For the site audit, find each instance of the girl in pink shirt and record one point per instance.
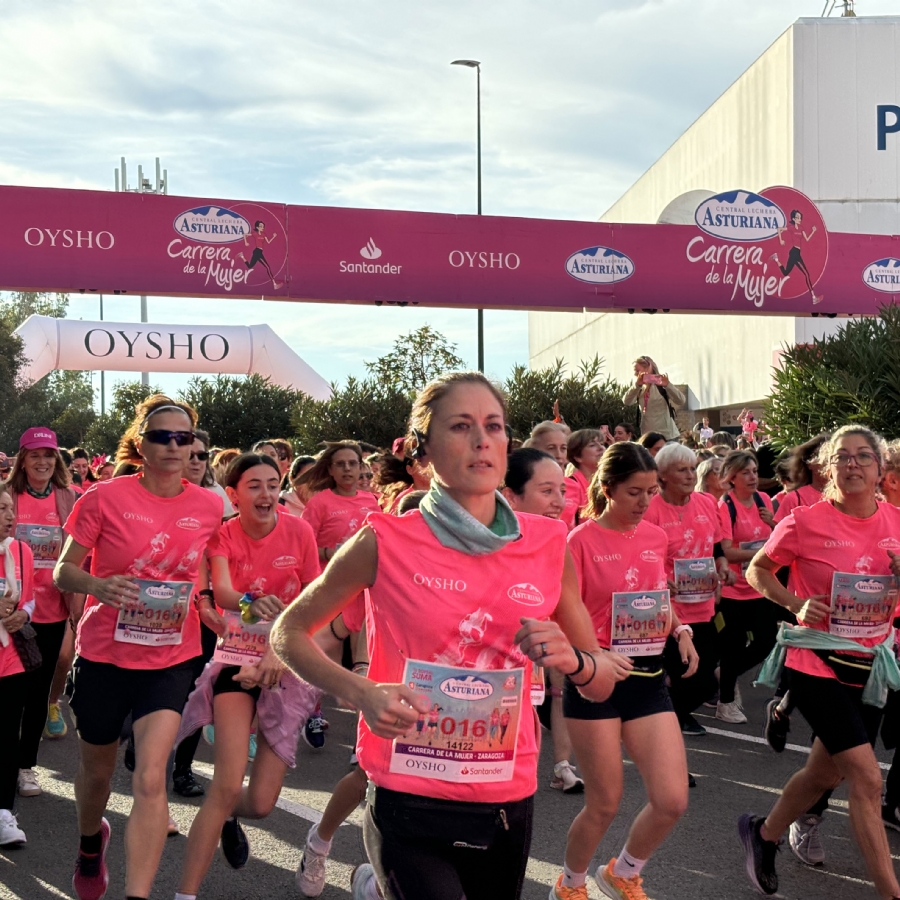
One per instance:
(807, 477)
(469, 569)
(620, 559)
(139, 634)
(854, 535)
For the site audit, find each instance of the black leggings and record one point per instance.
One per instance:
(795, 259)
(425, 849)
(13, 690)
(37, 690)
(745, 641)
(688, 693)
(184, 752)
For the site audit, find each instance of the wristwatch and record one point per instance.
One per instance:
(682, 628)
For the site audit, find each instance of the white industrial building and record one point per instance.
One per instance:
(805, 114)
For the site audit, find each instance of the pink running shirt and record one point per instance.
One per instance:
(439, 605)
(803, 496)
(49, 605)
(817, 541)
(335, 518)
(609, 562)
(133, 532)
(10, 664)
(748, 526)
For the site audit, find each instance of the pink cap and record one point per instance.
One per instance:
(38, 438)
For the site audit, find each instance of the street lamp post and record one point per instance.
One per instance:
(476, 65)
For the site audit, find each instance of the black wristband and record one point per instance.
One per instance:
(580, 656)
(337, 637)
(582, 684)
(717, 550)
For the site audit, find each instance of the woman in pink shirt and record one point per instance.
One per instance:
(620, 559)
(139, 635)
(848, 542)
(807, 477)
(553, 439)
(469, 568)
(584, 451)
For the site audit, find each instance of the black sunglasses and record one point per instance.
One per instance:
(162, 436)
(203, 455)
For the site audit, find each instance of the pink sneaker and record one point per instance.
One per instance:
(91, 878)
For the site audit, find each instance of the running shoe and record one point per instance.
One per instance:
(360, 878)
(251, 747)
(311, 871)
(692, 782)
(890, 817)
(731, 713)
(713, 701)
(314, 731)
(559, 892)
(91, 878)
(777, 726)
(186, 785)
(55, 726)
(235, 846)
(759, 854)
(564, 779)
(209, 734)
(804, 839)
(690, 726)
(10, 833)
(28, 784)
(617, 887)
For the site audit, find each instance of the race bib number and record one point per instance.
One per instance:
(862, 606)
(640, 622)
(45, 542)
(749, 545)
(538, 690)
(696, 580)
(242, 644)
(159, 615)
(470, 732)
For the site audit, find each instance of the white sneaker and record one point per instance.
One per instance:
(564, 778)
(28, 784)
(731, 713)
(311, 871)
(362, 883)
(804, 839)
(10, 833)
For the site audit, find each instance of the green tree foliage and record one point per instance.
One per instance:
(237, 412)
(366, 410)
(852, 376)
(417, 358)
(103, 435)
(585, 401)
(16, 307)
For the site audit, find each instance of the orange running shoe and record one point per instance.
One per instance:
(619, 888)
(568, 893)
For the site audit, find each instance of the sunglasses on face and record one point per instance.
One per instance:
(164, 437)
(202, 455)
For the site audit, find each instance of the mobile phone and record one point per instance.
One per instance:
(649, 378)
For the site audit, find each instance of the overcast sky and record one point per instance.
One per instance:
(355, 104)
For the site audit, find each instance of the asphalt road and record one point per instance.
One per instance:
(701, 859)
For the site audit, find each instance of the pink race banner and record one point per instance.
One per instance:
(766, 253)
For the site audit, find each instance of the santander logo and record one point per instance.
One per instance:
(526, 594)
(188, 523)
(370, 251)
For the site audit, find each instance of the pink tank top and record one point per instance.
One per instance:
(444, 607)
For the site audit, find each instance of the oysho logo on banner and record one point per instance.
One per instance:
(370, 251)
(883, 275)
(740, 216)
(211, 225)
(600, 265)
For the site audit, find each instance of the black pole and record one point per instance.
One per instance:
(102, 373)
(480, 311)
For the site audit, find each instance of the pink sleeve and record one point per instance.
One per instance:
(786, 506)
(218, 544)
(86, 520)
(783, 545)
(27, 574)
(312, 515)
(726, 534)
(309, 564)
(577, 557)
(354, 613)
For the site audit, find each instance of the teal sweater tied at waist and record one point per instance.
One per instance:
(885, 674)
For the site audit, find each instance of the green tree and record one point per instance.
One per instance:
(851, 376)
(585, 400)
(17, 306)
(238, 411)
(417, 358)
(104, 433)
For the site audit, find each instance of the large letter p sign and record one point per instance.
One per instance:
(884, 127)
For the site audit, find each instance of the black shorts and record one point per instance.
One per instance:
(636, 697)
(835, 712)
(104, 694)
(225, 684)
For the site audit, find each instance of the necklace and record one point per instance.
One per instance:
(39, 495)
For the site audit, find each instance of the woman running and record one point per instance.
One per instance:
(708, 480)
(534, 484)
(552, 438)
(807, 477)
(16, 608)
(620, 561)
(796, 236)
(139, 634)
(297, 495)
(476, 572)
(584, 450)
(260, 561)
(258, 256)
(835, 548)
(695, 566)
(42, 501)
(750, 622)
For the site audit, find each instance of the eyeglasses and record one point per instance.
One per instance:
(162, 436)
(203, 455)
(863, 460)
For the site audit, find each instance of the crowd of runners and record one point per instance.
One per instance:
(595, 586)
